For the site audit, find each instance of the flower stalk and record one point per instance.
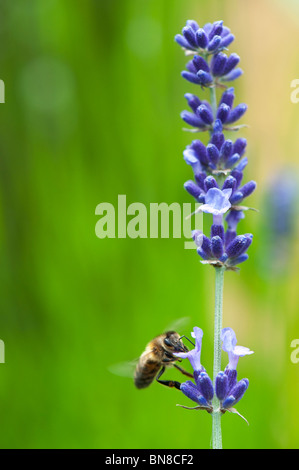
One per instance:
(216, 415)
(218, 175)
(219, 281)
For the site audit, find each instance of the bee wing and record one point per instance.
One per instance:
(123, 369)
(179, 324)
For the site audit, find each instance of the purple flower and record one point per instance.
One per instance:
(194, 354)
(228, 337)
(217, 203)
(202, 391)
(227, 389)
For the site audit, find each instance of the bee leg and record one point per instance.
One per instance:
(183, 371)
(168, 357)
(168, 383)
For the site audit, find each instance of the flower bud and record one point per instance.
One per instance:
(239, 245)
(192, 188)
(228, 97)
(205, 385)
(232, 378)
(221, 385)
(238, 175)
(200, 64)
(226, 150)
(232, 160)
(217, 126)
(200, 177)
(229, 402)
(191, 77)
(217, 247)
(192, 119)
(217, 231)
(248, 188)
(213, 153)
(239, 389)
(181, 41)
(231, 63)
(233, 75)
(201, 151)
(193, 24)
(204, 78)
(240, 146)
(205, 114)
(193, 101)
(236, 197)
(205, 251)
(202, 38)
(216, 29)
(218, 140)
(189, 389)
(230, 182)
(236, 113)
(239, 260)
(223, 112)
(242, 165)
(218, 64)
(209, 183)
(190, 36)
(227, 40)
(214, 43)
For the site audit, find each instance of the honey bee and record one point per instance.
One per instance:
(158, 355)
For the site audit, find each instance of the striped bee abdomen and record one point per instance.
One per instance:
(146, 370)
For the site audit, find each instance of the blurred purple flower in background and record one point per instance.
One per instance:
(279, 226)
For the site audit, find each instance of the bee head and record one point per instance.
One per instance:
(173, 343)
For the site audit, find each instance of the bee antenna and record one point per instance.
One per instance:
(183, 336)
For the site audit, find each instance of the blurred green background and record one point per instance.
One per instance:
(93, 97)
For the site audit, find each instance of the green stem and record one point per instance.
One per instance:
(213, 100)
(216, 415)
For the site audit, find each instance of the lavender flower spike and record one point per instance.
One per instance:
(217, 166)
(228, 337)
